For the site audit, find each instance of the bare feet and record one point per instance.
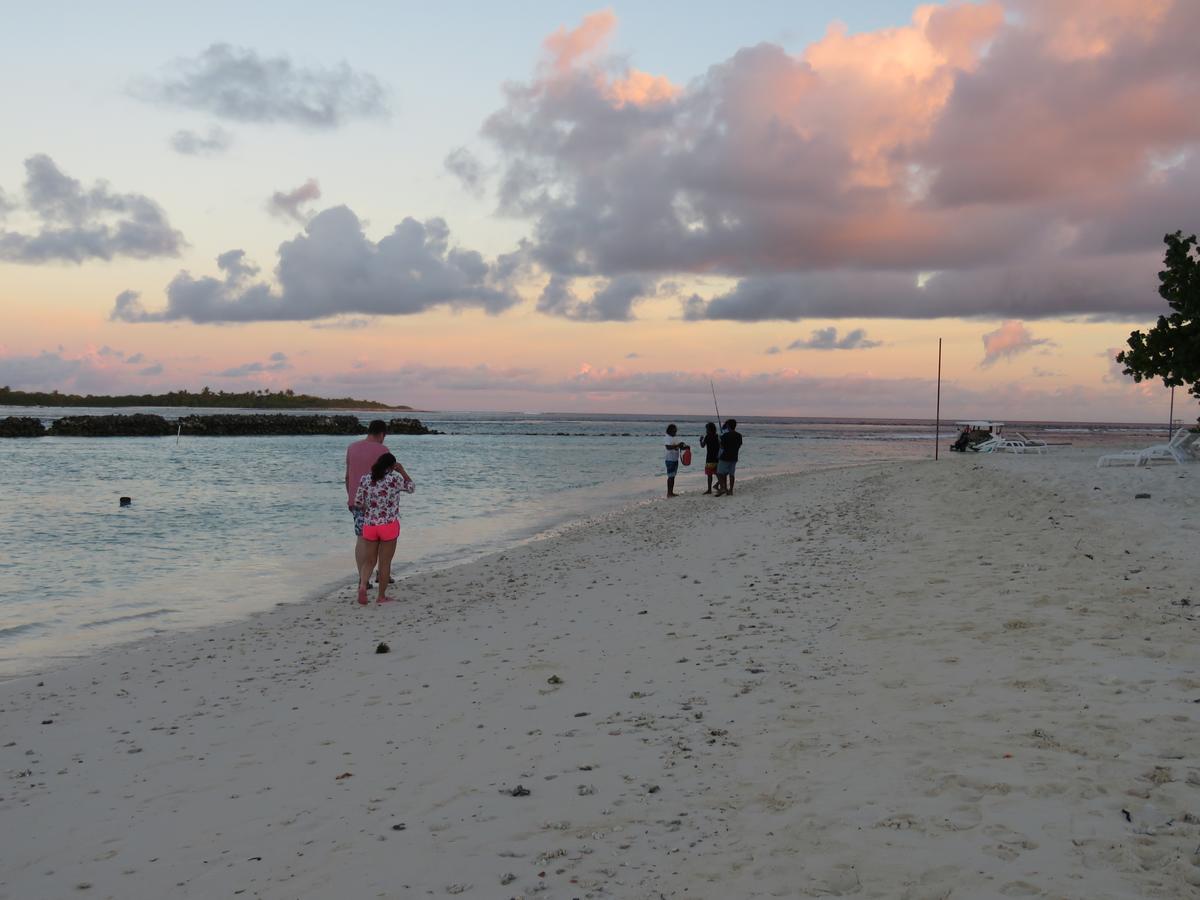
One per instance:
(362, 595)
(385, 599)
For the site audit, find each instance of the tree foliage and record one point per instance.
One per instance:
(260, 399)
(1171, 349)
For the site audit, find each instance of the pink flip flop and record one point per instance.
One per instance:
(385, 599)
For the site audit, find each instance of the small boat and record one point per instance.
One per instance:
(973, 432)
(988, 437)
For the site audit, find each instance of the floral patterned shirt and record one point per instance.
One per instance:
(380, 500)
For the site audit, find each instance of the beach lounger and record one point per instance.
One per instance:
(1010, 445)
(1029, 442)
(1184, 447)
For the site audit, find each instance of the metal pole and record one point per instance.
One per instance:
(937, 425)
(1171, 414)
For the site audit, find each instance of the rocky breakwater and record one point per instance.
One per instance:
(409, 426)
(263, 425)
(21, 427)
(217, 425)
(232, 425)
(136, 425)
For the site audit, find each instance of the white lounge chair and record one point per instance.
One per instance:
(1010, 445)
(1029, 442)
(1184, 447)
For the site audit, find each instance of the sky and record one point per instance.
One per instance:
(599, 208)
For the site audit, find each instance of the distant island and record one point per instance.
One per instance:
(262, 399)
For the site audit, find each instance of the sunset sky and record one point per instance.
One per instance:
(582, 208)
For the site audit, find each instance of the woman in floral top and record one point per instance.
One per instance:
(378, 496)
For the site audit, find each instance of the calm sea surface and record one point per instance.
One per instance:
(222, 527)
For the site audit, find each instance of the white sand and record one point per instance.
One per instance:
(919, 680)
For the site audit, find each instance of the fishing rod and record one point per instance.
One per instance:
(715, 406)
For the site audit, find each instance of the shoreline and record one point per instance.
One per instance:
(556, 528)
(896, 679)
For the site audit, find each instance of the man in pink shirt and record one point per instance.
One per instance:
(360, 456)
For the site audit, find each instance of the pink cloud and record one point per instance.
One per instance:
(579, 51)
(91, 370)
(787, 391)
(979, 141)
(288, 204)
(567, 48)
(1011, 339)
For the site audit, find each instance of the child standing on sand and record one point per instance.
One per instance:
(673, 449)
(711, 442)
(378, 496)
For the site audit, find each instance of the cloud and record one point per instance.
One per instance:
(276, 362)
(251, 368)
(785, 390)
(1114, 372)
(46, 370)
(632, 355)
(102, 370)
(286, 204)
(782, 391)
(192, 143)
(135, 359)
(344, 323)
(420, 377)
(1011, 339)
(611, 303)
(1031, 153)
(827, 339)
(237, 84)
(154, 369)
(1120, 286)
(76, 224)
(334, 269)
(666, 388)
(466, 167)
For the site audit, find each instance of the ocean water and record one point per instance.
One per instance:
(223, 527)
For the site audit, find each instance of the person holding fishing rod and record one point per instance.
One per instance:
(711, 442)
(730, 443)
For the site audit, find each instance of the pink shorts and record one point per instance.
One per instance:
(389, 531)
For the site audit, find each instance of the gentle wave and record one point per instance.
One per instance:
(17, 630)
(133, 617)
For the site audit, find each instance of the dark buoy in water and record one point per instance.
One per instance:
(127, 501)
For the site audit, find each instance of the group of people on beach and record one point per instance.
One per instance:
(720, 456)
(375, 480)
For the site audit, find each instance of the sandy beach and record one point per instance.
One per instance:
(971, 678)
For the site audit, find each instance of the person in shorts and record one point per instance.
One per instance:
(360, 456)
(378, 497)
(731, 444)
(674, 447)
(711, 442)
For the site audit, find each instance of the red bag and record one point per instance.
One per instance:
(686, 456)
